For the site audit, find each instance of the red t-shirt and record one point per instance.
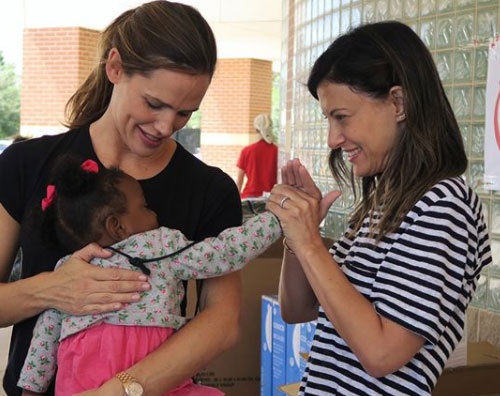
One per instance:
(259, 161)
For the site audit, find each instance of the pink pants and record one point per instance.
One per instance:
(91, 357)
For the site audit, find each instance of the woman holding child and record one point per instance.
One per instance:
(155, 66)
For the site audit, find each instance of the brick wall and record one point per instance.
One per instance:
(55, 62)
(240, 90)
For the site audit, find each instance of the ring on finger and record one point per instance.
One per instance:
(282, 202)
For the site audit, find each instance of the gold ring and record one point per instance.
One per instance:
(282, 202)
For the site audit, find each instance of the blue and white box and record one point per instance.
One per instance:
(293, 365)
(279, 351)
(307, 331)
(266, 351)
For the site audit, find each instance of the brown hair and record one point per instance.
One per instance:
(156, 35)
(371, 59)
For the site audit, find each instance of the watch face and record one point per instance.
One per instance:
(134, 389)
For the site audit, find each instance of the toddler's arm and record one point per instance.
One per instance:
(40, 363)
(230, 251)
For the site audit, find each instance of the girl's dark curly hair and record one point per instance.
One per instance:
(82, 202)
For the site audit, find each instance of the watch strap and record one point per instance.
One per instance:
(125, 378)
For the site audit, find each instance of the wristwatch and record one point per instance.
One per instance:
(131, 387)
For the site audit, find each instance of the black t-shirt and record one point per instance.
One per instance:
(187, 195)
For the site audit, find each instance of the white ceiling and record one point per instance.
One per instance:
(243, 28)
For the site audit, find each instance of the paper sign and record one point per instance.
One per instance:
(492, 119)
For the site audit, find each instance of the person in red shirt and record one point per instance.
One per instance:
(258, 161)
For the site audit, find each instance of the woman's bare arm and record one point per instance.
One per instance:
(382, 346)
(298, 302)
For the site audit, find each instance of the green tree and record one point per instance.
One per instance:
(10, 101)
(195, 120)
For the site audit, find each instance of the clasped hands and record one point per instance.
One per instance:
(299, 205)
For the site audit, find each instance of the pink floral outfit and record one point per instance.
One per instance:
(90, 349)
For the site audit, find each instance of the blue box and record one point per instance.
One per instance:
(279, 351)
(293, 358)
(307, 331)
(266, 351)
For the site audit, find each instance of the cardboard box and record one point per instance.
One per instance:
(293, 358)
(266, 342)
(307, 331)
(279, 351)
(480, 377)
(299, 340)
(289, 359)
(291, 389)
(306, 335)
(237, 371)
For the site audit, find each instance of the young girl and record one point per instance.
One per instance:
(85, 204)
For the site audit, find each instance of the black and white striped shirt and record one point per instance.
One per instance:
(422, 277)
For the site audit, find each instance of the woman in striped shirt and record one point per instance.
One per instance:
(390, 296)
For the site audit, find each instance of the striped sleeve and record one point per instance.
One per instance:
(419, 285)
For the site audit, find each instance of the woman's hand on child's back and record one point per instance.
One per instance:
(80, 288)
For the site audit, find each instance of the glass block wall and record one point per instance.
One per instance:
(456, 31)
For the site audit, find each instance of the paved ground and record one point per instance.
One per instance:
(4, 350)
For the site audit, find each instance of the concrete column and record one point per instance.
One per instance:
(240, 90)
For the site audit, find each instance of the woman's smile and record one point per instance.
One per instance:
(148, 139)
(352, 154)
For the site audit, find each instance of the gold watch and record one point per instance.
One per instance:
(131, 386)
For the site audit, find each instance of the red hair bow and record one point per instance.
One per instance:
(90, 166)
(51, 194)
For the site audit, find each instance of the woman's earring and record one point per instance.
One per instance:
(401, 117)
